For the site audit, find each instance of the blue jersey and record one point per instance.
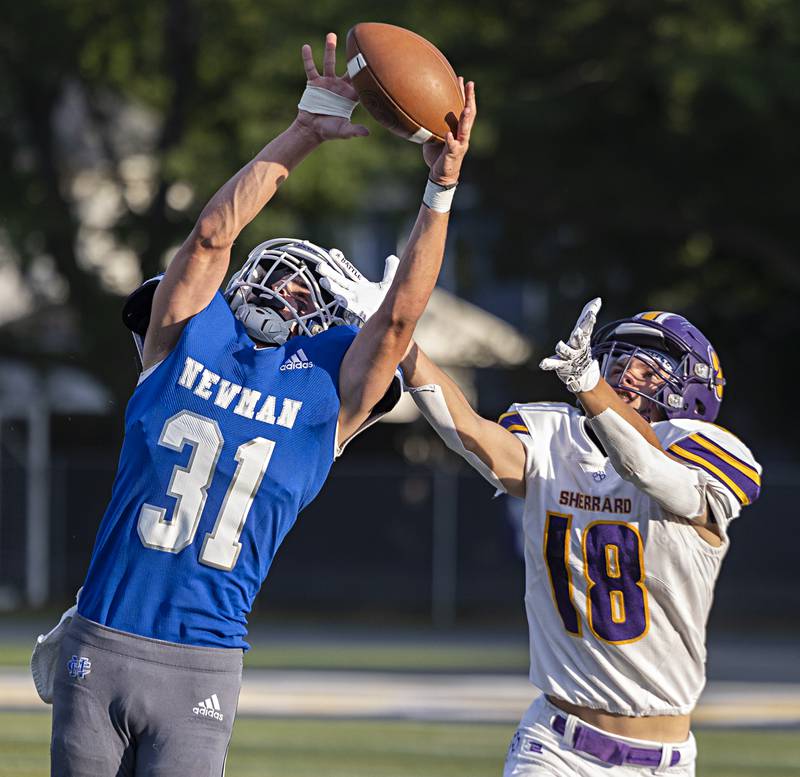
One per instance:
(224, 445)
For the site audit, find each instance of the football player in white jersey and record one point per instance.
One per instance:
(628, 499)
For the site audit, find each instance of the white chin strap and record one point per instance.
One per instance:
(432, 404)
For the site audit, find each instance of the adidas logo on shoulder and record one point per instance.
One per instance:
(209, 708)
(297, 361)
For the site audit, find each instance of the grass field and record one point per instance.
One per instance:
(310, 748)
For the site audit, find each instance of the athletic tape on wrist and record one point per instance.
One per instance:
(315, 99)
(438, 197)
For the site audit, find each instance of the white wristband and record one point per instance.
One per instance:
(439, 198)
(315, 99)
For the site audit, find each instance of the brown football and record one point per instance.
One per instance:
(404, 81)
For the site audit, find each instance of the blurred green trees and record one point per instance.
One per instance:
(646, 152)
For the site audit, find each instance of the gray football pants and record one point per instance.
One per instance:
(128, 706)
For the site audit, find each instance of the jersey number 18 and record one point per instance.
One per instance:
(613, 565)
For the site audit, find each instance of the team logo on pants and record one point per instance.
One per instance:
(209, 708)
(79, 667)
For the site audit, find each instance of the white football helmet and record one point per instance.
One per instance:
(254, 292)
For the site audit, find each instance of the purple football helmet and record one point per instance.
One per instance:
(680, 353)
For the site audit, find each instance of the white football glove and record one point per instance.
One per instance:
(360, 296)
(573, 361)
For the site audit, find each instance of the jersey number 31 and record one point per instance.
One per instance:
(189, 486)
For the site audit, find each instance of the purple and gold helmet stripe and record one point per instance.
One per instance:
(740, 478)
(513, 422)
(651, 315)
(718, 380)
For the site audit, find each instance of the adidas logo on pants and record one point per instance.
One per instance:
(209, 708)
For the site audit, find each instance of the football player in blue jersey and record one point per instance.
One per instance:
(244, 400)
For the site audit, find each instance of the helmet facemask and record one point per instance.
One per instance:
(255, 292)
(677, 352)
(624, 365)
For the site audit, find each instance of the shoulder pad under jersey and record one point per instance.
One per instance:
(716, 451)
(527, 418)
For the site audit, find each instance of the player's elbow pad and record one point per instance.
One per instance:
(678, 489)
(432, 404)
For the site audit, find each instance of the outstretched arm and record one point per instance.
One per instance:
(580, 372)
(495, 452)
(370, 362)
(200, 265)
(629, 440)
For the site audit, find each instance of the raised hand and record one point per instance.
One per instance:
(573, 361)
(444, 159)
(359, 295)
(327, 127)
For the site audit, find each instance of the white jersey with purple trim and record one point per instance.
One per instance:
(618, 591)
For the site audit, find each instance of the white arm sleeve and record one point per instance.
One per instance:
(680, 490)
(432, 404)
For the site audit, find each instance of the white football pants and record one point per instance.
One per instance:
(536, 750)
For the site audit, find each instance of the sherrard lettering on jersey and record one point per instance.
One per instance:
(208, 385)
(596, 504)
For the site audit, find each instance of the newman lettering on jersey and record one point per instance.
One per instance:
(212, 387)
(596, 504)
